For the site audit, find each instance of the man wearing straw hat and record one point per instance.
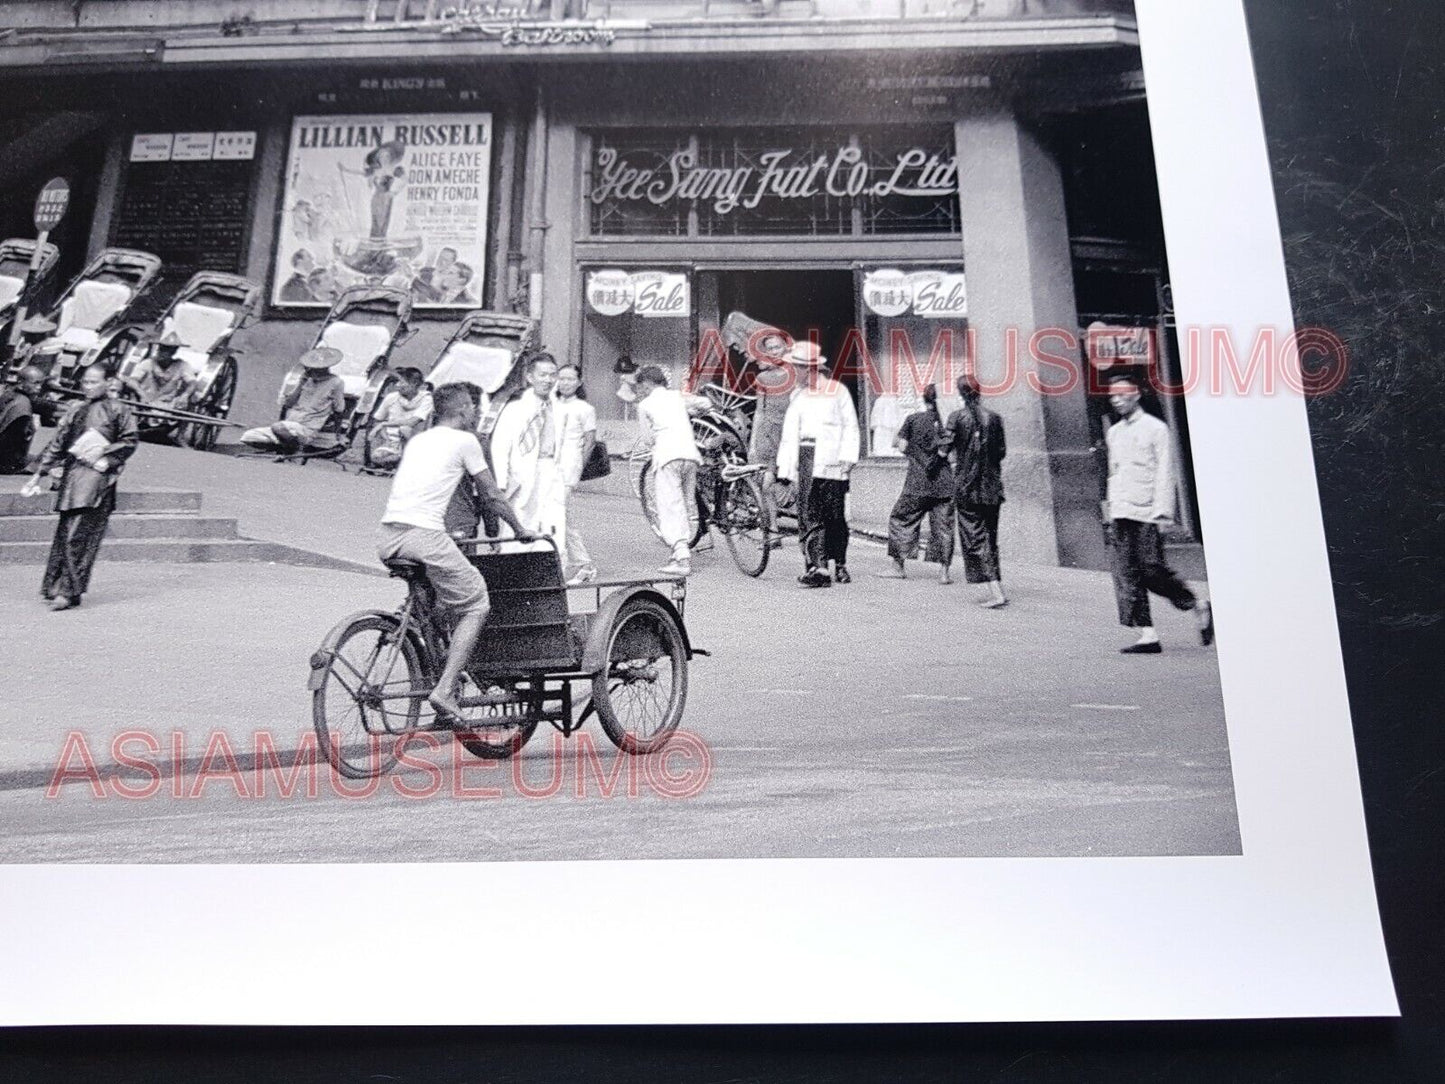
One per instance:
(307, 408)
(818, 451)
(163, 380)
(1141, 498)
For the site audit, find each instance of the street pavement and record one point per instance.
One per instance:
(874, 719)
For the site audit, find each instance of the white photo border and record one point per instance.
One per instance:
(1288, 929)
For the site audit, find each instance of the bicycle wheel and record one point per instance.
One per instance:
(640, 693)
(746, 524)
(361, 733)
(647, 495)
(489, 732)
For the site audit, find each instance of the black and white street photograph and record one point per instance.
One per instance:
(693, 450)
(824, 395)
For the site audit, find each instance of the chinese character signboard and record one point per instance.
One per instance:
(935, 295)
(395, 200)
(650, 294)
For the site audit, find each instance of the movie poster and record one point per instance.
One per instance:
(397, 200)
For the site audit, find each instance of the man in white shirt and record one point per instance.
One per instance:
(818, 451)
(667, 427)
(401, 415)
(412, 527)
(525, 445)
(1141, 498)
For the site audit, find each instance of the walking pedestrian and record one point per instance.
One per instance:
(1141, 499)
(818, 452)
(577, 423)
(977, 437)
(95, 438)
(667, 428)
(927, 492)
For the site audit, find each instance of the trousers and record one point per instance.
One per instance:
(822, 514)
(73, 551)
(1139, 568)
(677, 504)
(906, 523)
(978, 538)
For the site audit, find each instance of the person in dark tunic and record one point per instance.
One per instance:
(17, 419)
(927, 491)
(977, 439)
(95, 438)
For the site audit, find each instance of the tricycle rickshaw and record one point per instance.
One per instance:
(371, 677)
(17, 286)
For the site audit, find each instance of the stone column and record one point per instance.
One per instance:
(1020, 280)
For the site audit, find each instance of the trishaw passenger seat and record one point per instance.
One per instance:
(10, 288)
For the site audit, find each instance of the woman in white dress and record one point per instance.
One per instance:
(577, 432)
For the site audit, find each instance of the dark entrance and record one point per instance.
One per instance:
(804, 303)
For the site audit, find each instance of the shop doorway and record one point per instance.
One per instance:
(804, 303)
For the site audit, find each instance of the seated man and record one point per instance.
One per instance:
(413, 528)
(17, 420)
(306, 411)
(402, 414)
(163, 380)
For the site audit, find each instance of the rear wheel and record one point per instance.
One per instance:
(217, 403)
(702, 515)
(641, 690)
(746, 524)
(361, 733)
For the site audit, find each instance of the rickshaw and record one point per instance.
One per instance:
(365, 323)
(91, 320)
(16, 286)
(205, 314)
(483, 352)
(372, 674)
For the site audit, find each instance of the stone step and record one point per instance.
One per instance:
(146, 501)
(156, 525)
(191, 551)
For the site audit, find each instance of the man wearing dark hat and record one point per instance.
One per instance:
(17, 419)
(1141, 499)
(306, 408)
(163, 380)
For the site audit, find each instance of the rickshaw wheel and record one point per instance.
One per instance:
(641, 690)
(494, 741)
(361, 735)
(747, 524)
(217, 403)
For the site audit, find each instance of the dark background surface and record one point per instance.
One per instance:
(1352, 94)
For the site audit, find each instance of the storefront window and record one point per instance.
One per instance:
(633, 317)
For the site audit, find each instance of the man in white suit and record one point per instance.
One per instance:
(525, 445)
(818, 451)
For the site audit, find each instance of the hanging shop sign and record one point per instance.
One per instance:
(934, 295)
(1110, 345)
(649, 294)
(151, 147)
(394, 200)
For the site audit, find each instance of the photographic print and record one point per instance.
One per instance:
(713, 457)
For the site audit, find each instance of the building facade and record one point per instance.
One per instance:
(919, 185)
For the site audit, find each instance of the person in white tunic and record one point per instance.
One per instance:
(667, 429)
(818, 451)
(577, 425)
(525, 446)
